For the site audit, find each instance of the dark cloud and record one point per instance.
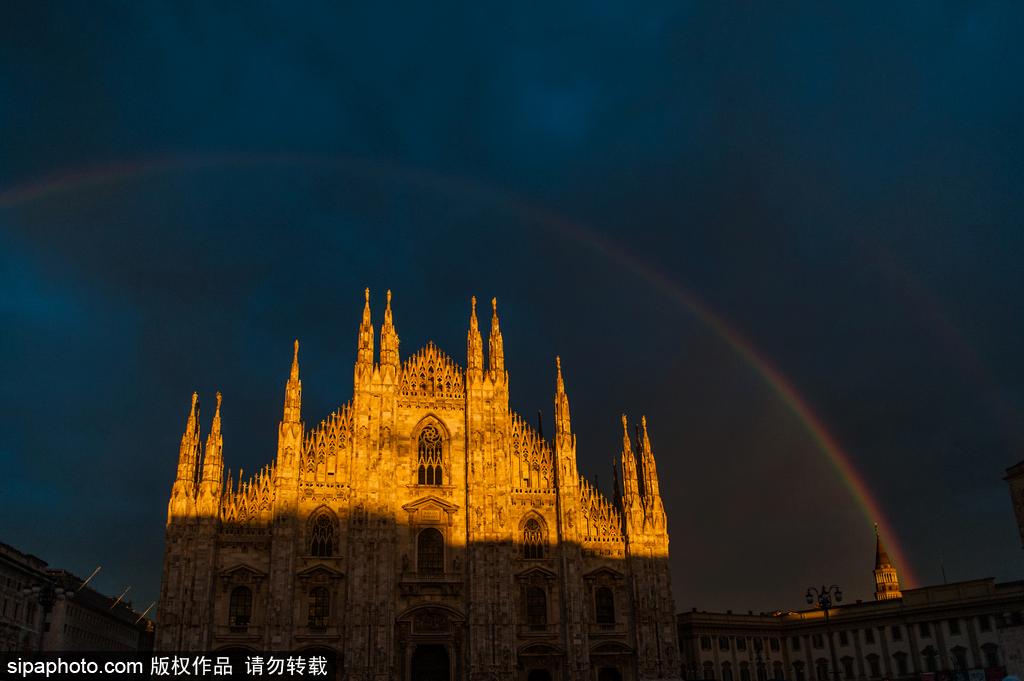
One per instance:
(840, 183)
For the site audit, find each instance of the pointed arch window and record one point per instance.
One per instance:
(604, 605)
(319, 608)
(322, 536)
(533, 540)
(536, 607)
(240, 608)
(430, 457)
(430, 551)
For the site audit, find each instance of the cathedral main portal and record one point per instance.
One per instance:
(430, 663)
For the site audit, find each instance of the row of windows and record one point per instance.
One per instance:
(818, 640)
(318, 608)
(13, 583)
(900, 660)
(741, 643)
(895, 631)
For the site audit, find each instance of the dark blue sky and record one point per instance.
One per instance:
(186, 188)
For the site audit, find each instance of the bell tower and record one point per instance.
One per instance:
(887, 582)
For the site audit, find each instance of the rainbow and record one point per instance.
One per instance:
(856, 484)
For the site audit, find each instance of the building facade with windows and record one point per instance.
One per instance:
(423, 531)
(48, 609)
(934, 633)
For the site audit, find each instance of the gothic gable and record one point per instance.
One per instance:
(326, 447)
(431, 374)
(532, 460)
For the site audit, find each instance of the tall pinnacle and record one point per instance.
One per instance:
(188, 452)
(496, 356)
(364, 355)
(649, 475)
(562, 422)
(293, 391)
(192, 422)
(631, 504)
(474, 344)
(213, 459)
(388, 338)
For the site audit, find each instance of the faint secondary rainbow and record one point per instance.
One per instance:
(773, 377)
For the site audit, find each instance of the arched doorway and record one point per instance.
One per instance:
(431, 663)
(539, 675)
(609, 674)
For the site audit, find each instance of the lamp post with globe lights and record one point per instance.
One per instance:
(823, 598)
(47, 596)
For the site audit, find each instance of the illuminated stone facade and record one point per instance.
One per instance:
(423, 531)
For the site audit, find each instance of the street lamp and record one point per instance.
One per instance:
(47, 596)
(823, 597)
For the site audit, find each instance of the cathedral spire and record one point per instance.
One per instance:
(562, 423)
(388, 340)
(211, 478)
(292, 392)
(188, 452)
(652, 495)
(496, 356)
(213, 458)
(650, 472)
(364, 356)
(184, 490)
(474, 344)
(887, 581)
(631, 505)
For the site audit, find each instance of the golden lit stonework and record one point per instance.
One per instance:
(423, 531)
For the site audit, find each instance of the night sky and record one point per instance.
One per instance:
(693, 205)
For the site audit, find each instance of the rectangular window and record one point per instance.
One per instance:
(741, 643)
(869, 635)
(723, 643)
(844, 638)
(794, 643)
(984, 623)
(705, 643)
(954, 626)
(817, 640)
(774, 644)
(897, 633)
(925, 629)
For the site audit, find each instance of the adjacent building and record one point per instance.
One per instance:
(20, 616)
(53, 610)
(932, 633)
(423, 531)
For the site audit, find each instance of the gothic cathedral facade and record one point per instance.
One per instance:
(423, 531)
